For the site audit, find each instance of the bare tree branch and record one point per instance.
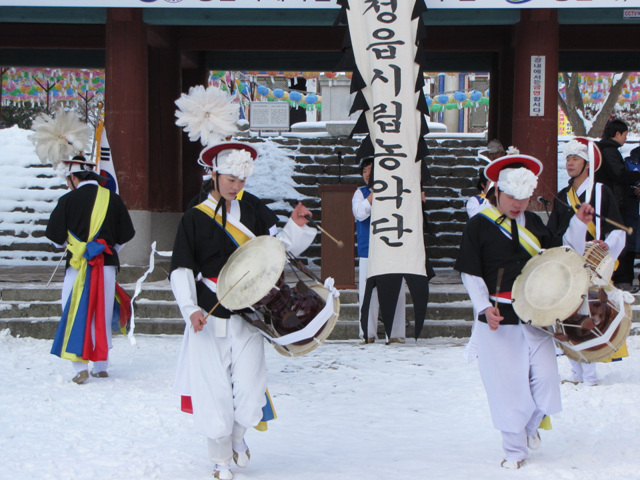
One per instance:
(600, 120)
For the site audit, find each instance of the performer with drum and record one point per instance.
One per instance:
(583, 159)
(222, 362)
(517, 362)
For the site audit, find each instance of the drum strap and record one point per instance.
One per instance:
(574, 201)
(527, 240)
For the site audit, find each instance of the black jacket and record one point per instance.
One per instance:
(614, 174)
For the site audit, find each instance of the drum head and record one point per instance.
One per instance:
(551, 287)
(296, 350)
(261, 261)
(604, 351)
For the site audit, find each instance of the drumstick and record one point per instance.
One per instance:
(629, 230)
(498, 282)
(222, 298)
(314, 224)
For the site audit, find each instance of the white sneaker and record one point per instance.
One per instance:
(241, 459)
(534, 441)
(223, 472)
(511, 464)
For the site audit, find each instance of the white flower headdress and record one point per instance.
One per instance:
(517, 182)
(575, 147)
(210, 115)
(59, 138)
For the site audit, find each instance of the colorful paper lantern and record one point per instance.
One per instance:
(442, 99)
(278, 93)
(459, 96)
(262, 90)
(475, 96)
(295, 96)
(311, 99)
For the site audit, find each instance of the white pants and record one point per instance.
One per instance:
(226, 377)
(399, 328)
(520, 374)
(109, 297)
(221, 449)
(583, 372)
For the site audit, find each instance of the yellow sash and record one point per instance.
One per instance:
(528, 240)
(575, 203)
(77, 248)
(237, 235)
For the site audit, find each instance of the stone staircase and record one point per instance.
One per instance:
(29, 309)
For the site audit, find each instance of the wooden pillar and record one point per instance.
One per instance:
(501, 88)
(126, 103)
(337, 219)
(165, 176)
(190, 170)
(537, 34)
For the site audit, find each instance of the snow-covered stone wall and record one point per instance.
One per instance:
(289, 170)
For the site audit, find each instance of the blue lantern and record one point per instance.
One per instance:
(278, 93)
(295, 96)
(459, 96)
(262, 90)
(475, 96)
(442, 98)
(311, 99)
(429, 100)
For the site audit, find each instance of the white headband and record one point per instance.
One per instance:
(577, 148)
(238, 163)
(517, 182)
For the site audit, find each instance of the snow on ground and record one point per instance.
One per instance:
(345, 412)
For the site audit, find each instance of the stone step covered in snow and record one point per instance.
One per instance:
(28, 309)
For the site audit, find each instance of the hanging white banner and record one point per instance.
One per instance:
(383, 37)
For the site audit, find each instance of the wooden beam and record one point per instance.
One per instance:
(52, 36)
(605, 38)
(468, 39)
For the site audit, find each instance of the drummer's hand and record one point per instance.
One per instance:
(585, 213)
(298, 214)
(493, 317)
(197, 320)
(603, 245)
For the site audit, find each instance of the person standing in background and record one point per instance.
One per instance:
(361, 206)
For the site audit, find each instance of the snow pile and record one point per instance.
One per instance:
(272, 178)
(29, 189)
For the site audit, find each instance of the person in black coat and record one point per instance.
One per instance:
(615, 175)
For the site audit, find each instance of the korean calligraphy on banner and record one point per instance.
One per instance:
(385, 36)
